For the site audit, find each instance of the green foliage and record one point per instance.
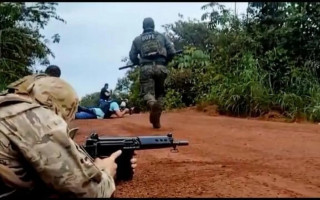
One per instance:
(312, 110)
(242, 92)
(21, 43)
(173, 99)
(188, 75)
(90, 99)
(267, 60)
(188, 33)
(122, 89)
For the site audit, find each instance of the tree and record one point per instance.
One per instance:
(188, 33)
(21, 43)
(90, 100)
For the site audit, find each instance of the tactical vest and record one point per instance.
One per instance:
(151, 46)
(13, 101)
(10, 105)
(23, 103)
(17, 93)
(21, 86)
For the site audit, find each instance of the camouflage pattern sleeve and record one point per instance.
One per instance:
(133, 54)
(42, 138)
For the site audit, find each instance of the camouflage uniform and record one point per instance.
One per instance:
(155, 50)
(37, 155)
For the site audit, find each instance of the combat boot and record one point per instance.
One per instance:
(155, 115)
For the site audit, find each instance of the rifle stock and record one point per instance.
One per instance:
(101, 147)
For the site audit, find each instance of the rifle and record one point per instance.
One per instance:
(104, 146)
(127, 66)
(130, 66)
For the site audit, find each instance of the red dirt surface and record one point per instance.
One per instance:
(226, 157)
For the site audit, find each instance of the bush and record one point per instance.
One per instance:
(173, 99)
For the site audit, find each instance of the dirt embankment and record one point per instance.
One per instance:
(226, 157)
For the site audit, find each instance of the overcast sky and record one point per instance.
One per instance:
(98, 35)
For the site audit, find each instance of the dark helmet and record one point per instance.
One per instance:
(148, 23)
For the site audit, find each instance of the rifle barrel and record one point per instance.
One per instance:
(127, 66)
(181, 143)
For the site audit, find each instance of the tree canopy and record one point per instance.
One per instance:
(21, 43)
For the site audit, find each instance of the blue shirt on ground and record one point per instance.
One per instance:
(114, 107)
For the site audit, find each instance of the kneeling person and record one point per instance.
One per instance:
(38, 155)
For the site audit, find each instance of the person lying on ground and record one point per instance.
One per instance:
(111, 107)
(105, 110)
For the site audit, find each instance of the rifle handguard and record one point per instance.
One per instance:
(97, 146)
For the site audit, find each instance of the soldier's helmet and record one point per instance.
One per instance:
(55, 94)
(148, 23)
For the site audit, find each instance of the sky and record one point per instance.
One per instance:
(97, 36)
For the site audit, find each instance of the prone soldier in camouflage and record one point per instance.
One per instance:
(155, 50)
(38, 157)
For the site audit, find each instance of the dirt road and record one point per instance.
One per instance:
(226, 157)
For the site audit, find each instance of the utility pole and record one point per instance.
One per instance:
(235, 9)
